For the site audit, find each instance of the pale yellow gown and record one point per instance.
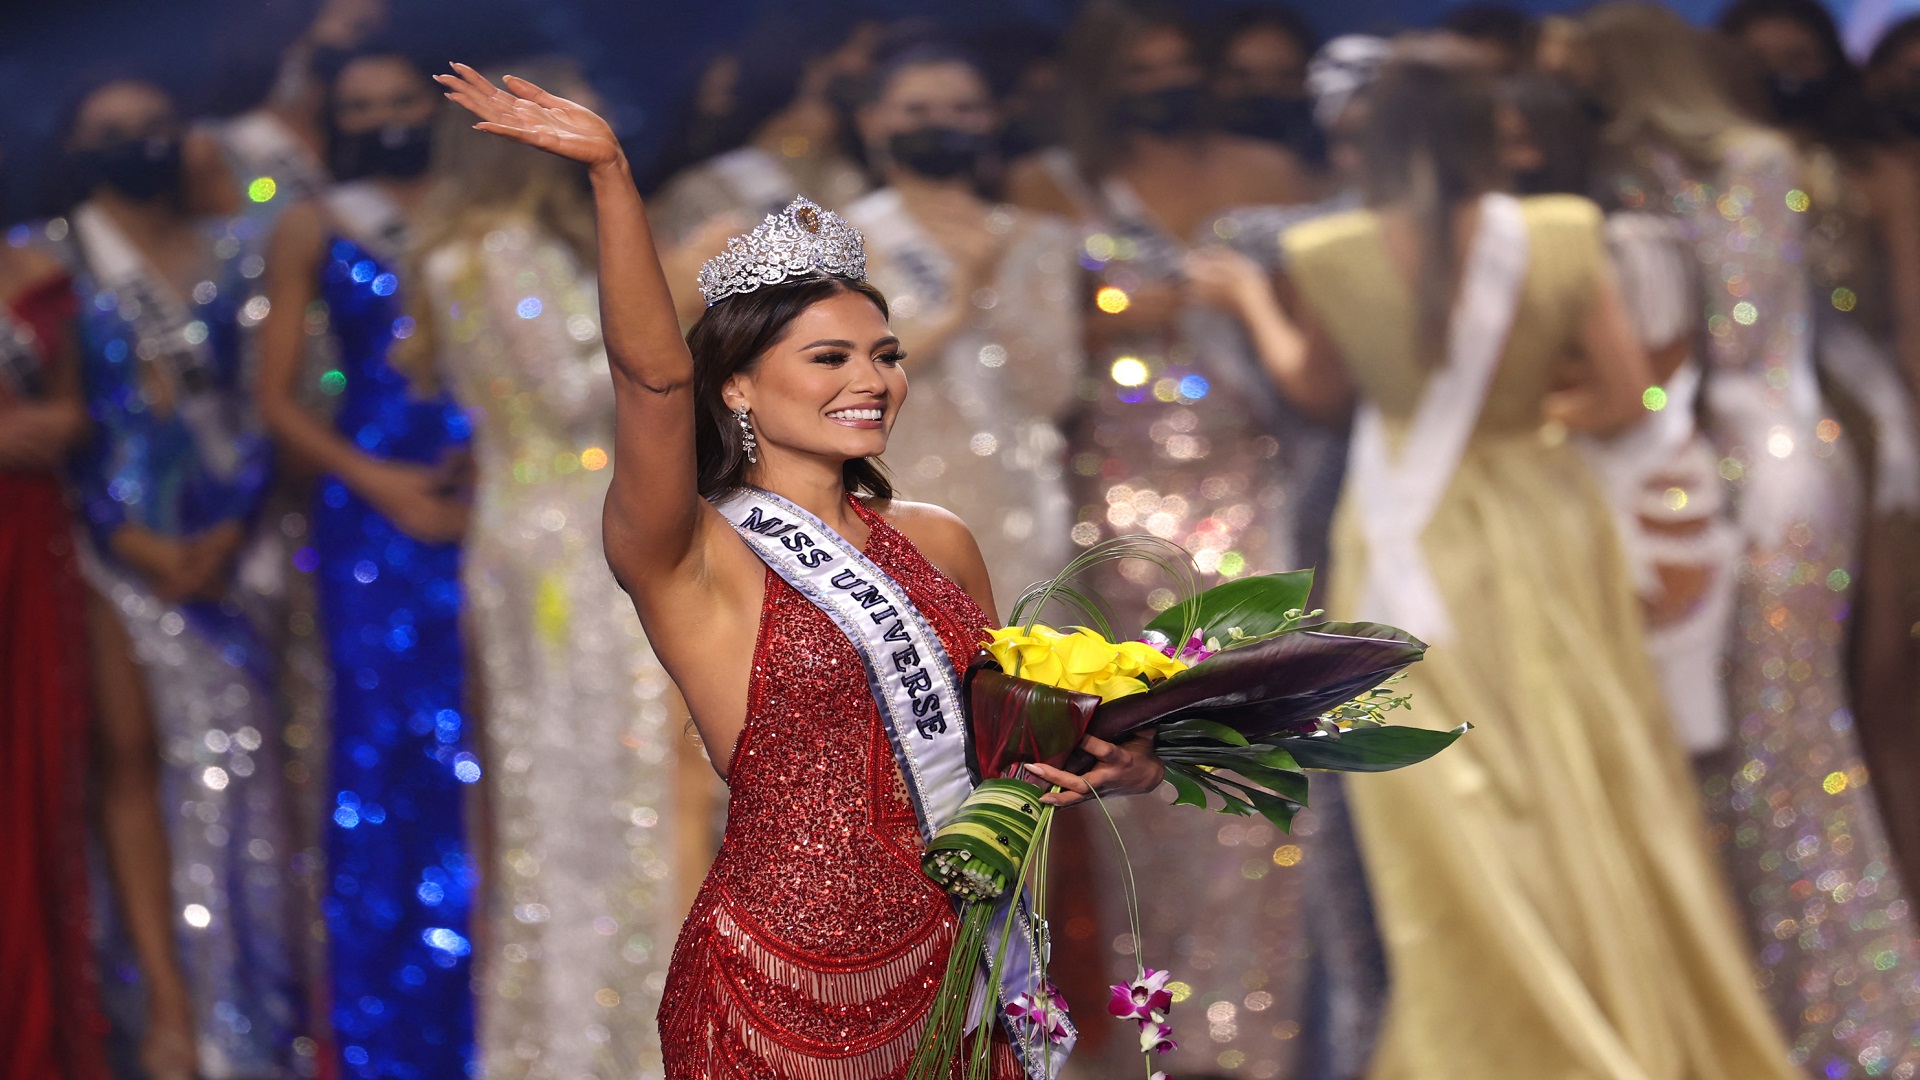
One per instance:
(1549, 906)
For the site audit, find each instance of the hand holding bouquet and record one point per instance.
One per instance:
(1242, 695)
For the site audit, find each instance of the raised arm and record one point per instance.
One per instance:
(655, 520)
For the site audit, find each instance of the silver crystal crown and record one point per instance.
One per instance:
(802, 239)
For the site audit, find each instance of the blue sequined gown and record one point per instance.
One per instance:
(399, 874)
(175, 450)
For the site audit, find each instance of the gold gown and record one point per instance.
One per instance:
(1548, 902)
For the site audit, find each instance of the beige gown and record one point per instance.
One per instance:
(1548, 904)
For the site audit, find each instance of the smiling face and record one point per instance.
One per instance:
(829, 389)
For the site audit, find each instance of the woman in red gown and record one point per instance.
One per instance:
(815, 946)
(48, 1025)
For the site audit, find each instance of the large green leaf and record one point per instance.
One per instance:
(1378, 749)
(1188, 791)
(1255, 605)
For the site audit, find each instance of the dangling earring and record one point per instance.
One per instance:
(747, 441)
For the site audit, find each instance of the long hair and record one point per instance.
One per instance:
(1430, 145)
(480, 181)
(1094, 48)
(730, 337)
(1845, 120)
(1657, 83)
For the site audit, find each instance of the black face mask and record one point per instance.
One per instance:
(1799, 102)
(1172, 111)
(938, 152)
(397, 152)
(140, 169)
(1284, 120)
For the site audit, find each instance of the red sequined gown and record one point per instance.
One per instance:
(815, 946)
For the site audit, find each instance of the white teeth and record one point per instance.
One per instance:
(856, 414)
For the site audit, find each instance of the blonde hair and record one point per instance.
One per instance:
(1658, 80)
(479, 181)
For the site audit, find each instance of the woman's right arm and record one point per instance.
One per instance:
(413, 497)
(656, 524)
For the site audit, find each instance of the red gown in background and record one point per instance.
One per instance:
(816, 944)
(49, 1026)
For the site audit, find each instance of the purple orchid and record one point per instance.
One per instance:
(1194, 651)
(1044, 1010)
(1144, 999)
(1157, 1035)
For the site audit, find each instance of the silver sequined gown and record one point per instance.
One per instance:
(1788, 803)
(980, 434)
(578, 715)
(1178, 436)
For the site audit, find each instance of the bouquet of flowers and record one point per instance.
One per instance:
(1245, 691)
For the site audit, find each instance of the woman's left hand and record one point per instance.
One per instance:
(1127, 768)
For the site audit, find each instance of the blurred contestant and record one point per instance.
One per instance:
(1177, 435)
(581, 723)
(386, 525)
(48, 1001)
(171, 482)
(985, 299)
(1794, 818)
(1546, 902)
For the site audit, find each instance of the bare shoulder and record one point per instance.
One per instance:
(24, 267)
(944, 540)
(931, 528)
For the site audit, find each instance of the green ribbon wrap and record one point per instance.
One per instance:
(977, 855)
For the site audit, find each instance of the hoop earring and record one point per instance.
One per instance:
(747, 442)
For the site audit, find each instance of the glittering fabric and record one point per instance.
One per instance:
(209, 677)
(816, 944)
(581, 914)
(399, 875)
(1792, 812)
(980, 435)
(1178, 435)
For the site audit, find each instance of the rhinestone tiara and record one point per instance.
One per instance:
(802, 239)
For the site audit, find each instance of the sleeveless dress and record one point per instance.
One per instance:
(1548, 903)
(582, 878)
(49, 1018)
(176, 450)
(399, 875)
(816, 943)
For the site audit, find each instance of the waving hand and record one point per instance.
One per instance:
(525, 113)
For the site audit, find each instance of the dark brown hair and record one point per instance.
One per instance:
(1430, 144)
(731, 337)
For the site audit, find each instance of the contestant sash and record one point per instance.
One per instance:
(259, 144)
(369, 215)
(1398, 493)
(167, 336)
(914, 683)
